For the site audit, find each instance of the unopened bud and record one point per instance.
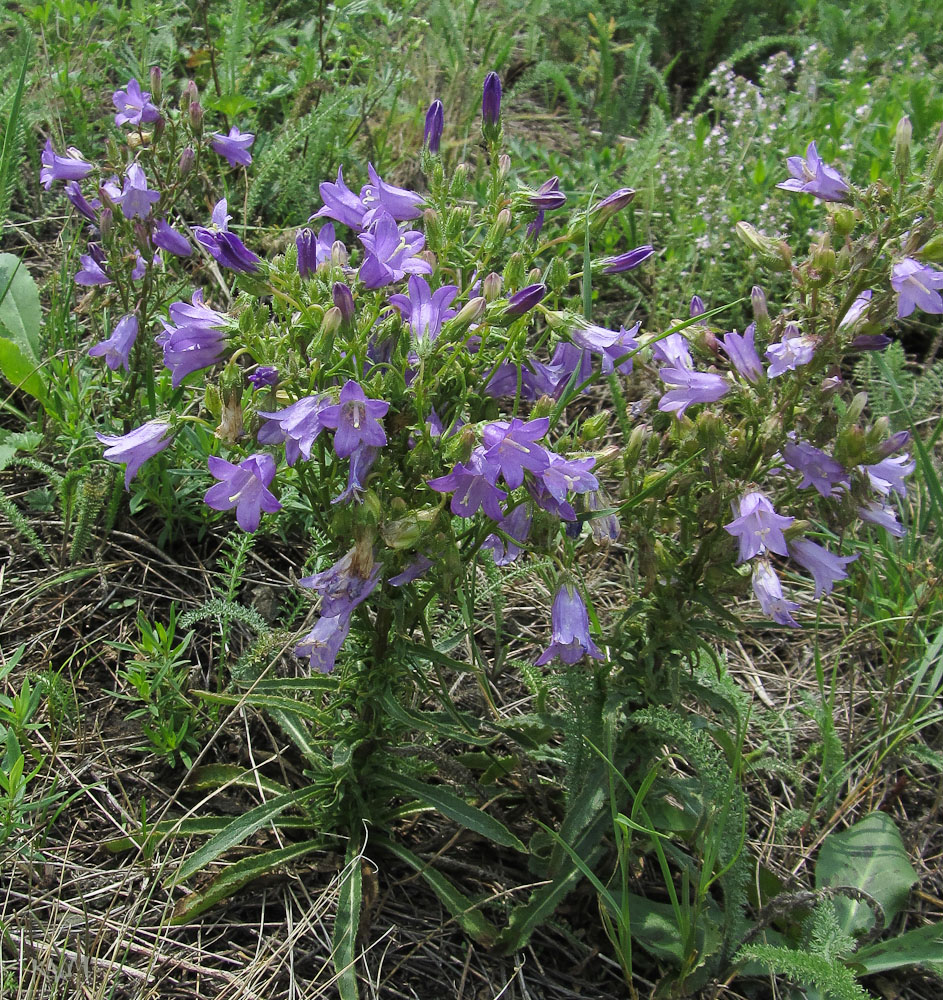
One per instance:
(558, 276)
(823, 258)
(504, 165)
(344, 300)
(470, 313)
(459, 182)
(501, 224)
(157, 84)
(932, 250)
(633, 450)
(533, 276)
(106, 222)
(844, 219)
(212, 401)
(594, 426)
(186, 161)
(332, 322)
(618, 200)
(339, 256)
(491, 286)
(189, 96)
(432, 224)
(196, 118)
(760, 309)
(902, 140)
(142, 238)
(543, 407)
(514, 271)
(774, 253)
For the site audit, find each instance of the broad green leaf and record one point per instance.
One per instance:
(656, 930)
(456, 808)
(20, 370)
(466, 912)
(238, 830)
(269, 702)
(192, 827)
(869, 856)
(231, 775)
(234, 877)
(920, 946)
(347, 923)
(20, 319)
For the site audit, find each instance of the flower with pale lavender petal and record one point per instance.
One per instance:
(361, 461)
(133, 106)
(525, 300)
(472, 485)
(791, 352)
(423, 310)
(548, 195)
(605, 527)
(883, 516)
(625, 344)
(225, 247)
(380, 198)
(313, 251)
(167, 238)
(515, 528)
(742, 354)
(570, 629)
(140, 265)
(887, 476)
(346, 584)
(626, 261)
(116, 350)
(137, 199)
(491, 101)
(264, 377)
(818, 469)
(769, 592)
(136, 447)
(672, 351)
(758, 527)
(857, 310)
(812, 175)
(511, 447)
(243, 486)
(546, 501)
(91, 272)
(435, 122)
(195, 338)
(894, 443)
(234, 148)
(298, 425)
(356, 419)
(70, 167)
(826, 568)
(917, 286)
(413, 571)
(340, 203)
(87, 208)
(568, 475)
(322, 644)
(533, 228)
(390, 254)
(692, 387)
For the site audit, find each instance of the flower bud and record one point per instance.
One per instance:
(760, 309)
(844, 218)
(504, 165)
(196, 118)
(435, 122)
(525, 300)
(491, 286)
(774, 253)
(106, 222)
(491, 107)
(558, 276)
(932, 250)
(533, 276)
(543, 407)
(142, 238)
(186, 161)
(902, 140)
(514, 271)
(823, 258)
(633, 450)
(339, 256)
(697, 306)
(344, 300)
(594, 426)
(432, 224)
(332, 322)
(459, 182)
(157, 84)
(189, 96)
(499, 228)
(211, 400)
(470, 313)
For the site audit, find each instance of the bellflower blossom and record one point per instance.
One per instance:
(136, 199)
(322, 644)
(223, 246)
(793, 350)
(624, 344)
(380, 198)
(887, 476)
(818, 469)
(87, 208)
(70, 167)
(313, 251)
(116, 350)
(136, 447)
(91, 272)
(423, 310)
(917, 286)
(692, 387)
(548, 196)
(298, 425)
(195, 337)
(515, 528)
(743, 356)
(390, 255)
(826, 568)
(812, 175)
(758, 527)
(340, 203)
(413, 571)
(356, 419)
(264, 377)
(769, 592)
(472, 485)
(511, 448)
(883, 516)
(234, 148)
(344, 585)
(627, 261)
(435, 122)
(672, 351)
(133, 106)
(570, 629)
(361, 461)
(167, 238)
(243, 486)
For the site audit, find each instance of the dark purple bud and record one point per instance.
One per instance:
(264, 377)
(435, 122)
(697, 306)
(491, 101)
(196, 117)
(894, 443)
(870, 342)
(614, 203)
(525, 300)
(186, 162)
(548, 195)
(627, 261)
(344, 300)
(157, 84)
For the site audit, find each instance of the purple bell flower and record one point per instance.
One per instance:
(136, 447)
(381, 198)
(391, 254)
(340, 203)
(243, 486)
(887, 476)
(570, 629)
(361, 461)
(672, 351)
(613, 203)
(516, 526)
(917, 286)
(758, 527)
(195, 338)
(345, 585)
(813, 176)
(413, 571)
(133, 106)
(264, 377)
(883, 516)
(548, 196)
(70, 167)
(742, 354)
(116, 350)
(512, 448)
(91, 272)
(826, 568)
(472, 485)
(87, 208)
(697, 306)
(791, 352)
(818, 469)
(692, 387)
(491, 100)
(225, 247)
(234, 148)
(136, 198)
(568, 475)
(423, 310)
(322, 644)
(298, 425)
(435, 122)
(167, 238)
(356, 419)
(769, 592)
